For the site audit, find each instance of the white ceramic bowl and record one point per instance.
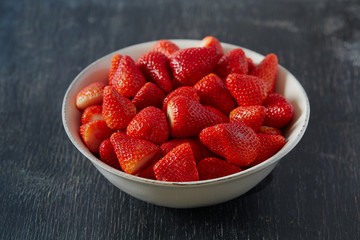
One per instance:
(186, 194)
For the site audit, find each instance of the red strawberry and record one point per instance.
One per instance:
(213, 91)
(251, 64)
(247, 90)
(267, 71)
(170, 145)
(117, 110)
(134, 154)
(279, 111)
(91, 114)
(232, 62)
(211, 41)
(93, 133)
(149, 124)
(181, 91)
(235, 142)
(252, 116)
(166, 47)
(148, 172)
(218, 113)
(188, 117)
(148, 95)
(192, 64)
(155, 67)
(177, 166)
(195, 147)
(204, 151)
(128, 79)
(92, 94)
(212, 167)
(114, 66)
(269, 145)
(108, 155)
(270, 130)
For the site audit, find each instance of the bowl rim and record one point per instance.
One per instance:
(252, 170)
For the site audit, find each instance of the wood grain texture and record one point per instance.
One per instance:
(49, 191)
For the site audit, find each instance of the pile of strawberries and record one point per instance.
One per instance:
(185, 114)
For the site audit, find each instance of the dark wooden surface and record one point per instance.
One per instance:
(48, 190)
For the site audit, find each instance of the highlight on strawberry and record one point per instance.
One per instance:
(183, 115)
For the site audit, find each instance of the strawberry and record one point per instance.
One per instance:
(91, 114)
(117, 110)
(171, 144)
(93, 133)
(92, 94)
(246, 90)
(252, 116)
(134, 154)
(192, 64)
(204, 152)
(181, 91)
(212, 167)
(233, 61)
(167, 47)
(218, 113)
(148, 95)
(155, 67)
(149, 124)
(147, 172)
(195, 147)
(108, 155)
(114, 66)
(269, 145)
(267, 70)
(213, 42)
(251, 64)
(213, 91)
(177, 166)
(279, 111)
(188, 117)
(270, 130)
(128, 79)
(235, 142)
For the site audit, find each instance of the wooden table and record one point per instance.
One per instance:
(48, 190)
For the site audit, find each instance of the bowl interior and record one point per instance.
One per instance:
(286, 84)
